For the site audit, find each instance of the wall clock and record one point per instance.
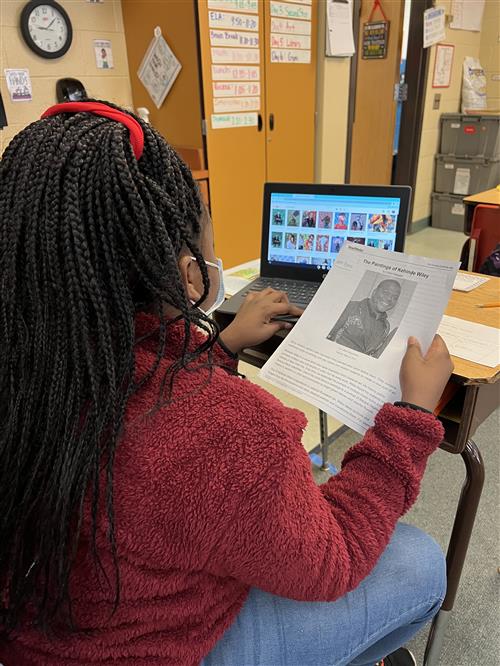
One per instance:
(46, 28)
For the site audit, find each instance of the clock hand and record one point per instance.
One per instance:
(48, 27)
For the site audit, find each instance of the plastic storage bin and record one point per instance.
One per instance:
(448, 211)
(461, 175)
(470, 136)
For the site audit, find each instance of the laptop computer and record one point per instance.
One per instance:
(305, 226)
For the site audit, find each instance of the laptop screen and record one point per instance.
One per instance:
(309, 229)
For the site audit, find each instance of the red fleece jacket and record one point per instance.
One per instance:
(214, 494)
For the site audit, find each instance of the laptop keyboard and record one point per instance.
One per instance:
(300, 293)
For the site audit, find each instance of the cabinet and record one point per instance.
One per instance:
(249, 42)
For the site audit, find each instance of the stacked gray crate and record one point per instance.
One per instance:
(468, 162)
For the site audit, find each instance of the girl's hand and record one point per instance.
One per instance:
(252, 325)
(423, 378)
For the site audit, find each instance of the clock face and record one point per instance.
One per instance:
(48, 28)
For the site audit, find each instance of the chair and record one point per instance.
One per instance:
(195, 159)
(484, 236)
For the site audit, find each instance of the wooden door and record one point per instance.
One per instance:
(236, 154)
(179, 117)
(375, 109)
(291, 34)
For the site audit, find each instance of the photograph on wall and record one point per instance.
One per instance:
(103, 54)
(19, 85)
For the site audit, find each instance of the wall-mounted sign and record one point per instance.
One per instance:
(375, 39)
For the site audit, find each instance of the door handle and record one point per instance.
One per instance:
(271, 121)
(259, 123)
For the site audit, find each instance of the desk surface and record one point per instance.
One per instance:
(463, 305)
(491, 197)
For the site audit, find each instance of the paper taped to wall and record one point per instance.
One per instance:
(226, 20)
(290, 41)
(235, 5)
(339, 36)
(230, 89)
(234, 73)
(234, 55)
(467, 14)
(287, 10)
(232, 120)
(233, 38)
(434, 30)
(227, 104)
(290, 27)
(294, 56)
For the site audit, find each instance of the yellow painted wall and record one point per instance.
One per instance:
(332, 97)
(489, 51)
(90, 21)
(467, 43)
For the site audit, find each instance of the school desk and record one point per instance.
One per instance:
(474, 393)
(489, 197)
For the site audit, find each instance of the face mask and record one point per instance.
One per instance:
(221, 292)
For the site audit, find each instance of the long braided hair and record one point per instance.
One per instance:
(89, 235)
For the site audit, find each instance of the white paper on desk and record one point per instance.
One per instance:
(467, 14)
(473, 342)
(339, 34)
(348, 383)
(464, 282)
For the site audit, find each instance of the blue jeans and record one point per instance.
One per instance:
(402, 593)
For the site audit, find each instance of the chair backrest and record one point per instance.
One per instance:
(485, 233)
(193, 157)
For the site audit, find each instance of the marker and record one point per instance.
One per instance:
(288, 319)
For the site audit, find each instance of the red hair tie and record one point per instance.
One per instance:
(134, 128)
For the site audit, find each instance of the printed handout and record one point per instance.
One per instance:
(344, 354)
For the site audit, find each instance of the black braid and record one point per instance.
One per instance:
(89, 236)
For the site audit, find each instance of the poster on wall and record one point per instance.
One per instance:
(103, 54)
(375, 40)
(159, 68)
(443, 66)
(434, 29)
(19, 85)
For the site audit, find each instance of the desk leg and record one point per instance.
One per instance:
(457, 548)
(323, 439)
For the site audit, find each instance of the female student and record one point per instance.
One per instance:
(156, 507)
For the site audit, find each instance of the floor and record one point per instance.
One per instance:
(435, 243)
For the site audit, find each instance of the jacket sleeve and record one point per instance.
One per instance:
(293, 538)
(341, 321)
